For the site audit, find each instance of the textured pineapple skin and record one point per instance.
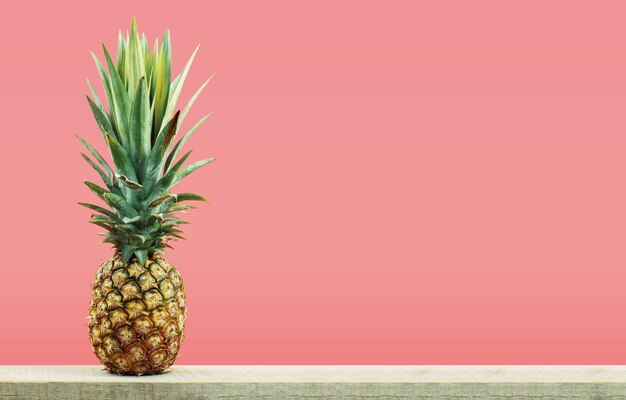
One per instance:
(137, 315)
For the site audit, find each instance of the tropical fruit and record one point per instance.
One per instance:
(137, 310)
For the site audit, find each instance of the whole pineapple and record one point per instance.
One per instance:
(137, 310)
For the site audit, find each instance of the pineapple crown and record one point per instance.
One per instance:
(139, 125)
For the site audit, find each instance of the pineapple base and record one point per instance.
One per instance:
(137, 315)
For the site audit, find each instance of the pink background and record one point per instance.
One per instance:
(408, 183)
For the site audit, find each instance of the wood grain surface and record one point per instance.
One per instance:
(595, 382)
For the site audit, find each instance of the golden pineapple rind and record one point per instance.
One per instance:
(137, 315)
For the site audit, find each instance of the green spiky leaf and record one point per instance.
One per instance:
(189, 196)
(163, 69)
(104, 225)
(193, 100)
(160, 200)
(191, 168)
(101, 118)
(140, 126)
(121, 52)
(129, 183)
(104, 219)
(183, 140)
(96, 155)
(155, 160)
(103, 175)
(135, 118)
(177, 86)
(119, 203)
(127, 252)
(96, 98)
(181, 207)
(104, 78)
(141, 254)
(121, 100)
(167, 180)
(96, 189)
(121, 159)
(127, 220)
(165, 205)
(99, 209)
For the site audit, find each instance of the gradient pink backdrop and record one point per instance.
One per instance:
(397, 182)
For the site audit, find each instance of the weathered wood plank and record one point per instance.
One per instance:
(317, 382)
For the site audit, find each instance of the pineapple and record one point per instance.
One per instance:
(137, 310)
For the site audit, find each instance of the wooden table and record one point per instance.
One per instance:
(318, 382)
